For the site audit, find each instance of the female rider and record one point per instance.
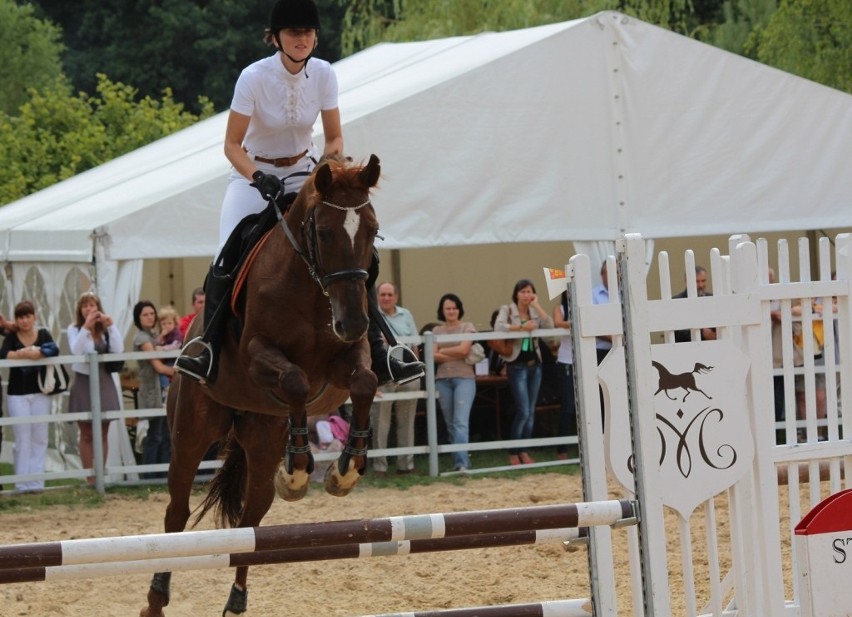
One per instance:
(268, 141)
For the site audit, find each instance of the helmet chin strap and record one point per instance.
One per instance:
(292, 59)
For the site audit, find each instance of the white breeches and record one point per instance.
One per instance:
(242, 199)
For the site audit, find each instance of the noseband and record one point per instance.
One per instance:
(312, 257)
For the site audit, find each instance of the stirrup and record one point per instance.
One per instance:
(198, 340)
(402, 380)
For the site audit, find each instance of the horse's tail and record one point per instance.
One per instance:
(226, 492)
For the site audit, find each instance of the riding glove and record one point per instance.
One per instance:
(269, 185)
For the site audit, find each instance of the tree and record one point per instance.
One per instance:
(810, 38)
(194, 47)
(741, 17)
(29, 55)
(57, 135)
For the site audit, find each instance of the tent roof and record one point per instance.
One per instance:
(580, 130)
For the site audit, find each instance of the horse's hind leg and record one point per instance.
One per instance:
(257, 434)
(196, 422)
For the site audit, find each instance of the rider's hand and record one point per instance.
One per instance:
(268, 184)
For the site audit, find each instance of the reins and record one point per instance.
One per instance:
(311, 256)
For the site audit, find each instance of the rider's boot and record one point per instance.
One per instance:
(387, 368)
(203, 367)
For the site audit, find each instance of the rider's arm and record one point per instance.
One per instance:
(332, 131)
(235, 133)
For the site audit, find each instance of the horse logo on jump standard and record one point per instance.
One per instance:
(700, 410)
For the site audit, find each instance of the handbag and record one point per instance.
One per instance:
(112, 366)
(52, 379)
(475, 355)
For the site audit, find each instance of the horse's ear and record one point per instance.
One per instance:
(323, 179)
(370, 174)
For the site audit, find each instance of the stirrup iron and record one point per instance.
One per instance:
(198, 340)
(405, 349)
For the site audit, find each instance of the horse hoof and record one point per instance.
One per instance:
(149, 612)
(341, 485)
(291, 487)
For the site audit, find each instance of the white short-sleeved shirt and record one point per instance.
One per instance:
(283, 107)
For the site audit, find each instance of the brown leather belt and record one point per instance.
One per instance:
(284, 161)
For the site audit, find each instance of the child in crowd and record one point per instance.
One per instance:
(169, 338)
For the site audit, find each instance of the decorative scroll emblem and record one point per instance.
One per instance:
(701, 414)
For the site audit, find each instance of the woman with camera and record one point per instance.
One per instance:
(92, 330)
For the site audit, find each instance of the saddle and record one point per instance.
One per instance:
(244, 243)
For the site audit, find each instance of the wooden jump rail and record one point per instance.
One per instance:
(34, 559)
(556, 608)
(290, 555)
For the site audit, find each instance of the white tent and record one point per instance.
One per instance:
(574, 131)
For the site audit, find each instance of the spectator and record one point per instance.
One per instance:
(92, 330)
(565, 361)
(817, 337)
(524, 314)
(168, 339)
(600, 295)
(24, 397)
(156, 448)
(401, 323)
(5, 328)
(455, 379)
(197, 308)
(707, 334)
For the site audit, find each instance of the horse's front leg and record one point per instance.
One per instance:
(271, 370)
(342, 476)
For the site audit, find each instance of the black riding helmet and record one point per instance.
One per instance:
(293, 14)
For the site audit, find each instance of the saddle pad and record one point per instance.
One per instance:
(242, 273)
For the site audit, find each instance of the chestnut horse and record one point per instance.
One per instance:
(302, 351)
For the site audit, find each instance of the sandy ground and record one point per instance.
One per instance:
(324, 588)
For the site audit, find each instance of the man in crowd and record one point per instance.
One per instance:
(401, 323)
(197, 307)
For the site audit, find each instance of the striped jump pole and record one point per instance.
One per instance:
(289, 555)
(302, 535)
(555, 608)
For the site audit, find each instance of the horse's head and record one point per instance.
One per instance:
(339, 228)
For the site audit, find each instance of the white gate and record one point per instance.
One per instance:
(712, 471)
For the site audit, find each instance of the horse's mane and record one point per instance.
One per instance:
(344, 172)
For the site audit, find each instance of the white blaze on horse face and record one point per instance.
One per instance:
(351, 224)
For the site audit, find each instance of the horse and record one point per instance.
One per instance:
(685, 381)
(302, 351)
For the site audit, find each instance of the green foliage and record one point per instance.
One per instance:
(810, 38)
(57, 135)
(194, 47)
(368, 22)
(29, 55)
(741, 17)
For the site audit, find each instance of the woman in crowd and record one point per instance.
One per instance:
(565, 362)
(24, 396)
(156, 448)
(455, 380)
(523, 365)
(92, 330)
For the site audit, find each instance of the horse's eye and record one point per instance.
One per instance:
(324, 235)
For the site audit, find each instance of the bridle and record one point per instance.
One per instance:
(312, 257)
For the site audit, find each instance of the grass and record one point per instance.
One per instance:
(73, 493)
